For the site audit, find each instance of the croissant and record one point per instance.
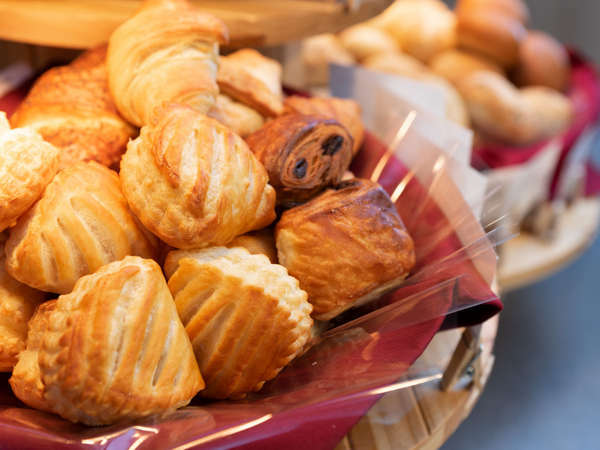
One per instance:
(111, 350)
(193, 182)
(72, 109)
(167, 52)
(246, 318)
(345, 111)
(261, 242)
(241, 119)
(345, 247)
(27, 165)
(81, 223)
(252, 79)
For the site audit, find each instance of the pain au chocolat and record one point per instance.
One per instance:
(246, 318)
(81, 222)
(112, 350)
(346, 246)
(193, 182)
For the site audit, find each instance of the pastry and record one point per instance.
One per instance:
(81, 222)
(252, 79)
(193, 182)
(111, 350)
(454, 65)
(317, 53)
(396, 64)
(422, 28)
(553, 111)
(346, 246)
(543, 61)
(27, 165)
(302, 155)
(363, 40)
(261, 242)
(515, 9)
(241, 119)
(345, 111)
(167, 52)
(72, 109)
(246, 318)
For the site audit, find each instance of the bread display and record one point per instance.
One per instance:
(302, 155)
(113, 349)
(552, 110)
(454, 65)
(71, 108)
(346, 246)
(246, 318)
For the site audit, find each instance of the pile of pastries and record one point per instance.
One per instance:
(170, 224)
(498, 77)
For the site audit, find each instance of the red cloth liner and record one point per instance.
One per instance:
(585, 95)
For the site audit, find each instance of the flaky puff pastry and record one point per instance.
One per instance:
(241, 119)
(252, 79)
(27, 165)
(71, 108)
(261, 242)
(81, 223)
(112, 350)
(167, 52)
(246, 318)
(193, 182)
(346, 246)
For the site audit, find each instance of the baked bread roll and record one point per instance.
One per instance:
(317, 53)
(515, 9)
(241, 119)
(543, 61)
(454, 65)
(553, 111)
(81, 222)
(246, 318)
(112, 350)
(167, 52)
(27, 165)
(193, 182)
(345, 111)
(346, 246)
(363, 40)
(252, 79)
(302, 155)
(71, 108)
(261, 242)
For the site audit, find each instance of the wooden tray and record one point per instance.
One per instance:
(85, 23)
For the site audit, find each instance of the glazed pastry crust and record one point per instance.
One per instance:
(193, 182)
(241, 119)
(106, 355)
(81, 223)
(246, 318)
(343, 245)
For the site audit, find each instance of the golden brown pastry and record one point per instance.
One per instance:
(553, 111)
(543, 61)
(515, 9)
(396, 64)
(346, 246)
(167, 52)
(252, 79)
(241, 119)
(302, 155)
(71, 108)
(261, 242)
(364, 40)
(112, 350)
(81, 222)
(345, 111)
(27, 165)
(246, 318)
(454, 65)
(422, 28)
(193, 182)
(317, 53)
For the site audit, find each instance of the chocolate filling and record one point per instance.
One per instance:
(332, 144)
(300, 168)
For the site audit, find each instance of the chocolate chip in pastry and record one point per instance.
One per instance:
(81, 222)
(252, 79)
(167, 52)
(302, 155)
(27, 165)
(71, 108)
(346, 246)
(246, 318)
(112, 350)
(241, 119)
(193, 182)
(363, 40)
(261, 242)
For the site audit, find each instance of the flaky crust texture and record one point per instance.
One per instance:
(27, 165)
(167, 52)
(114, 349)
(261, 242)
(193, 182)
(81, 223)
(344, 244)
(246, 318)
(71, 108)
(241, 119)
